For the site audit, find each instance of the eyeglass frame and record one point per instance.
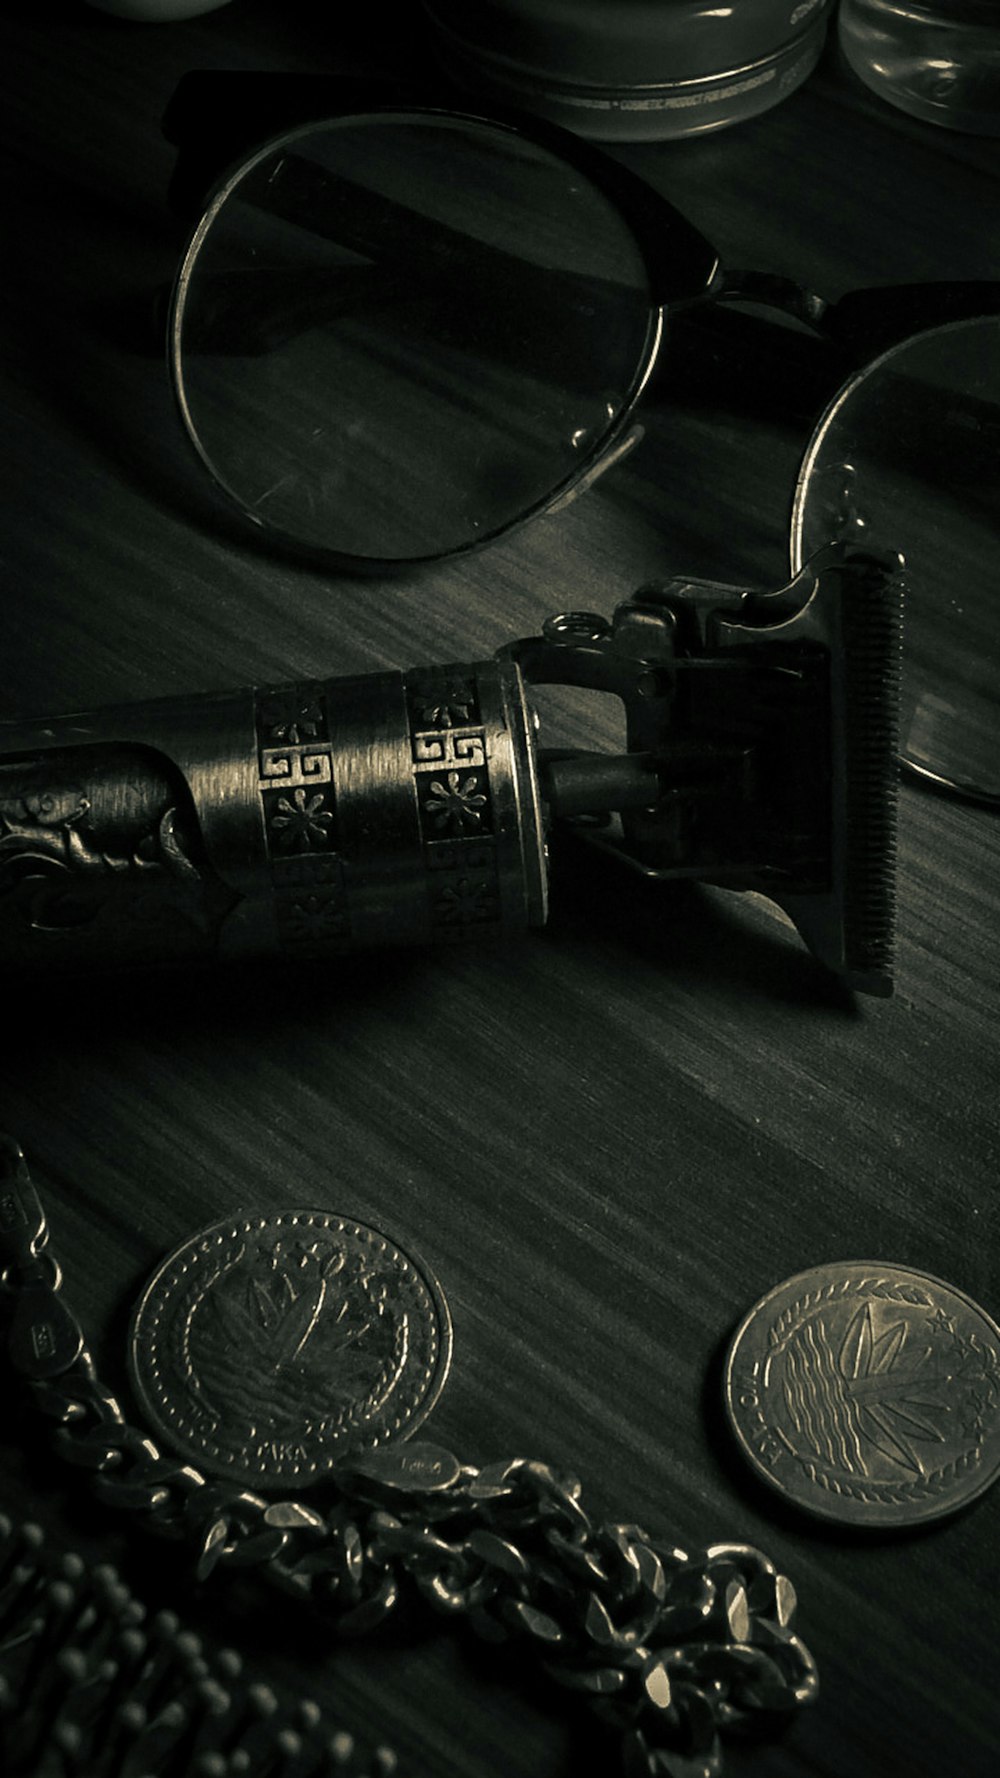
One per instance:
(214, 120)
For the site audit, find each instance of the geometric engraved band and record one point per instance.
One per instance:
(298, 809)
(455, 803)
(398, 808)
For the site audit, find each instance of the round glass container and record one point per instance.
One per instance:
(632, 70)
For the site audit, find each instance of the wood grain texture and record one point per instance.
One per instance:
(608, 1139)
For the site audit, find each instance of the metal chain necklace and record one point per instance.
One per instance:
(670, 1650)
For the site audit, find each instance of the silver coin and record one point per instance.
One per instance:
(868, 1394)
(266, 1348)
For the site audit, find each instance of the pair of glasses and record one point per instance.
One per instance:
(400, 331)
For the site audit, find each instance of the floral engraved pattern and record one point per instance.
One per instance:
(456, 804)
(313, 918)
(292, 720)
(467, 901)
(301, 822)
(449, 710)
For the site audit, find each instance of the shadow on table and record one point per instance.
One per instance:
(698, 934)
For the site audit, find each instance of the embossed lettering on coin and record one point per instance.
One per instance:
(868, 1393)
(266, 1347)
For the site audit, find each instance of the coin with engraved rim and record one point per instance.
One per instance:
(868, 1393)
(267, 1347)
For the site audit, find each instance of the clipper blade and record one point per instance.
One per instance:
(762, 744)
(850, 926)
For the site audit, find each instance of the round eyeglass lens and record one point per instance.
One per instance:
(907, 458)
(396, 334)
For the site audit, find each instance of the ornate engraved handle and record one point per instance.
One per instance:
(310, 819)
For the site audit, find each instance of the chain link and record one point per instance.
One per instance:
(669, 1649)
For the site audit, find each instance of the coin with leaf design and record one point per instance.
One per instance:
(268, 1347)
(868, 1394)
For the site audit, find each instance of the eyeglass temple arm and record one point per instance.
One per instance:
(864, 323)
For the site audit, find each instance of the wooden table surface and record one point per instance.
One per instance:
(608, 1139)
